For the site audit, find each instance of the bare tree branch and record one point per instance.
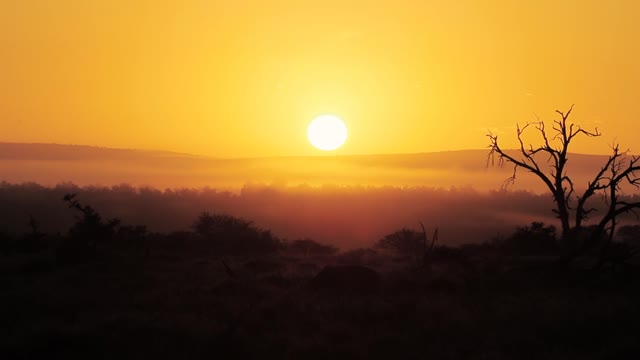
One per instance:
(556, 145)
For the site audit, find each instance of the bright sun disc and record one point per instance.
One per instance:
(327, 132)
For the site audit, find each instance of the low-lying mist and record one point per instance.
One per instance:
(345, 216)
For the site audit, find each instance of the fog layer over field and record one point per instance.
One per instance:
(349, 201)
(346, 216)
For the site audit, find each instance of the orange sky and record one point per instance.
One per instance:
(243, 78)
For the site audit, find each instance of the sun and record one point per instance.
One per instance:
(327, 132)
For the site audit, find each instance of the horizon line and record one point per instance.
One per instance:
(330, 154)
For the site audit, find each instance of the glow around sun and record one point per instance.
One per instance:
(327, 132)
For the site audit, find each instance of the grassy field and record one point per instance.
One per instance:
(185, 305)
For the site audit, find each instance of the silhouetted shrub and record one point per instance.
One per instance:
(231, 235)
(34, 240)
(87, 233)
(30, 242)
(89, 226)
(536, 239)
(404, 242)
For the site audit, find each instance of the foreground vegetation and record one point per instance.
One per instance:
(227, 288)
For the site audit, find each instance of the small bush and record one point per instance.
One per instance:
(89, 226)
(536, 239)
(235, 236)
(406, 242)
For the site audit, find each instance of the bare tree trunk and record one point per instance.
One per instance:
(552, 173)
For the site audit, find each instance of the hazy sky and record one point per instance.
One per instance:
(243, 78)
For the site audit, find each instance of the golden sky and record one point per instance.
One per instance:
(244, 78)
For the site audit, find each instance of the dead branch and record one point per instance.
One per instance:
(607, 181)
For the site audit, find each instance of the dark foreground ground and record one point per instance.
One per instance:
(178, 306)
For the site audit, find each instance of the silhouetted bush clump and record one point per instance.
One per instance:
(89, 226)
(536, 239)
(404, 242)
(87, 233)
(227, 234)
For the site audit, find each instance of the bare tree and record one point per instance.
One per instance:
(571, 207)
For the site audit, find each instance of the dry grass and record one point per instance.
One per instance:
(188, 307)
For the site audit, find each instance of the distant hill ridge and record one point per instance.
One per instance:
(44, 151)
(55, 163)
(443, 159)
